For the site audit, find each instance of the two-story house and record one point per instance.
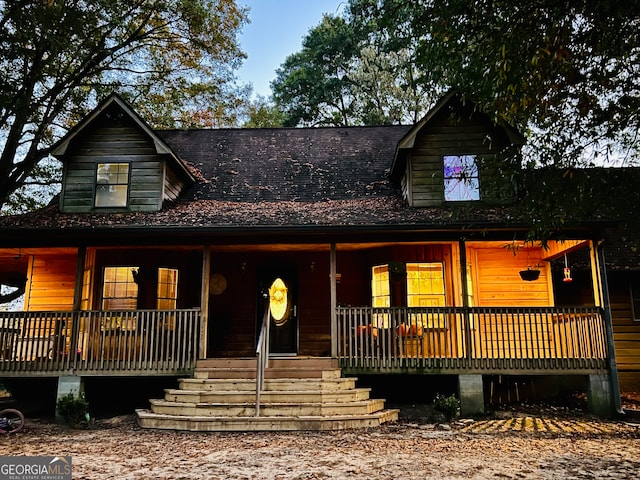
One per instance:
(268, 265)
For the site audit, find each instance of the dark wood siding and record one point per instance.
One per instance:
(113, 144)
(626, 331)
(173, 185)
(110, 139)
(442, 137)
(234, 313)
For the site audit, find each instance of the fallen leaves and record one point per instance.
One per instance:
(119, 449)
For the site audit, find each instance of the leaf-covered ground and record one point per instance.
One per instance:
(117, 448)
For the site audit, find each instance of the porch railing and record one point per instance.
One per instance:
(126, 342)
(480, 339)
(262, 356)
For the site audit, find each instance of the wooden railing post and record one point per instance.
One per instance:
(334, 301)
(204, 301)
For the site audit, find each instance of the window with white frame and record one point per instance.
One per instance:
(461, 181)
(112, 185)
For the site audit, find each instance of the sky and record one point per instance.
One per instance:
(275, 32)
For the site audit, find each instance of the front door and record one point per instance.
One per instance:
(278, 292)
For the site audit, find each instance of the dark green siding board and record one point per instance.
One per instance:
(172, 185)
(113, 145)
(116, 158)
(440, 138)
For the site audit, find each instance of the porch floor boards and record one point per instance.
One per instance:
(300, 394)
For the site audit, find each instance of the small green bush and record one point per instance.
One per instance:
(448, 406)
(75, 410)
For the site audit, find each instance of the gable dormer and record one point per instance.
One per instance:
(445, 158)
(114, 162)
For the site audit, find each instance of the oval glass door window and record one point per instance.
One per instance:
(279, 302)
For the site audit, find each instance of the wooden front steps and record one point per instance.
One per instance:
(300, 393)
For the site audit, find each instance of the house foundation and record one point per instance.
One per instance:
(471, 392)
(600, 395)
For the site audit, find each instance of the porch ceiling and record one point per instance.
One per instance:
(311, 247)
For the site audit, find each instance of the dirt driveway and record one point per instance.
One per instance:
(507, 448)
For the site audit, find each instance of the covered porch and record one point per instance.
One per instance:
(384, 307)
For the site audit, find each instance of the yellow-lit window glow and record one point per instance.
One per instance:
(380, 286)
(425, 288)
(380, 294)
(167, 289)
(119, 291)
(86, 289)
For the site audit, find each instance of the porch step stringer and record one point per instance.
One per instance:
(299, 394)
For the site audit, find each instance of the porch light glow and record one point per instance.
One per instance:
(278, 301)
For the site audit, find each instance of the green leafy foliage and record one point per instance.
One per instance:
(264, 114)
(567, 74)
(74, 409)
(346, 75)
(448, 406)
(564, 74)
(172, 59)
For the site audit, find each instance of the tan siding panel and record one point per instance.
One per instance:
(52, 283)
(498, 282)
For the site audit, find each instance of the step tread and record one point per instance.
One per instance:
(179, 391)
(269, 380)
(148, 413)
(147, 419)
(163, 402)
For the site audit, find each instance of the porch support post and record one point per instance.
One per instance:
(614, 390)
(465, 297)
(471, 391)
(77, 301)
(334, 301)
(599, 395)
(204, 302)
(77, 291)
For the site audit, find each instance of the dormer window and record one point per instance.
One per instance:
(461, 178)
(112, 185)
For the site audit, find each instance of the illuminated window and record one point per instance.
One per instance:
(86, 289)
(470, 294)
(380, 286)
(425, 288)
(119, 291)
(112, 184)
(380, 293)
(461, 178)
(167, 288)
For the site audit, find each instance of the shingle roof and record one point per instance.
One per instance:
(292, 164)
(284, 178)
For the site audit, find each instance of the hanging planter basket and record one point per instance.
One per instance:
(529, 275)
